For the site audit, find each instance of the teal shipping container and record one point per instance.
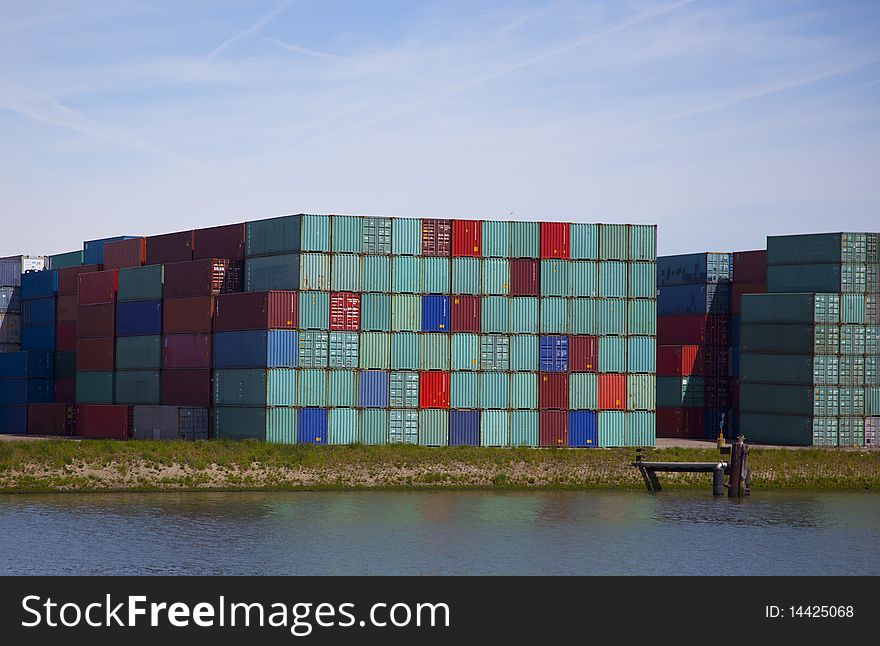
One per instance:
(789, 338)
(583, 391)
(140, 283)
(525, 240)
(139, 352)
(494, 352)
(643, 242)
(583, 278)
(95, 387)
(404, 351)
(406, 312)
(641, 316)
(556, 277)
(433, 427)
(274, 236)
(613, 245)
(315, 234)
(641, 428)
(275, 425)
(404, 390)
(464, 390)
(641, 391)
(466, 276)
(496, 239)
(496, 276)
(872, 371)
(376, 274)
(314, 349)
(872, 340)
(342, 388)
(585, 241)
(314, 272)
(403, 426)
(436, 275)
(786, 399)
(406, 236)
(465, 352)
(345, 273)
(853, 339)
(524, 315)
(312, 387)
(852, 401)
(267, 273)
(790, 308)
(138, 387)
(494, 390)
(255, 387)
(554, 316)
(376, 236)
(818, 248)
(612, 354)
(65, 260)
(825, 431)
(524, 353)
(496, 314)
(434, 351)
(851, 370)
(789, 369)
(612, 428)
(376, 312)
(494, 428)
(405, 274)
(372, 426)
(641, 354)
(524, 390)
(817, 278)
(613, 279)
(583, 316)
(524, 428)
(375, 350)
(872, 401)
(314, 310)
(344, 350)
(612, 316)
(767, 428)
(342, 426)
(642, 280)
(852, 308)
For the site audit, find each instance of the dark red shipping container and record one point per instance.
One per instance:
(525, 277)
(68, 277)
(555, 240)
(97, 287)
(276, 310)
(170, 247)
(123, 254)
(65, 391)
(103, 422)
(225, 241)
(750, 266)
(692, 330)
(96, 321)
(679, 360)
(583, 353)
(66, 306)
(434, 389)
(200, 278)
(186, 387)
(553, 428)
(65, 337)
(745, 288)
(612, 391)
(345, 311)
(95, 354)
(436, 237)
(680, 422)
(553, 390)
(467, 238)
(186, 351)
(184, 315)
(465, 314)
(50, 419)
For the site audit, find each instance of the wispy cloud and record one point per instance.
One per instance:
(253, 29)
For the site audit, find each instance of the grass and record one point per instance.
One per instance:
(64, 465)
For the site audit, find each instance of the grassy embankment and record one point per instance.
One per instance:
(64, 465)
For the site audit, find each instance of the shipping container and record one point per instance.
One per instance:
(524, 428)
(96, 288)
(641, 354)
(346, 234)
(464, 428)
(494, 352)
(122, 254)
(226, 241)
(373, 426)
(405, 274)
(817, 278)
(464, 390)
(436, 275)
(494, 427)
(187, 351)
(406, 237)
(103, 422)
(555, 240)
(187, 387)
(314, 311)
(314, 272)
(406, 313)
(94, 387)
(259, 387)
(138, 318)
(345, 272)
(524, 353)
(553, 390)
(553, 427)
(467, 238)
(465, 313)
(404, 390)
(680, 422)
(694, 299)
(525, 239)
(494, 390)
(65, 389)
(267, 273)
(155, 423)
(95, 321)
(466, 276)
(750, 266)
(583, 391)
(138, 387)
(433, 352)
(584, 353)
(15, 392)
(38, 285)
(26, 365)
(613, 242)
(139, 353)
(641, 391)
(612, 391)
(555, 277)
(738, 290)
(376, 312)
(465, 352)
(345, 311)
(275, 236)
(496, 276)
(10, 300)
(641, 316)
(642, 242)
(256, 349)
(373, 389)
(642, 279)
(344, 349)
(95, 354)
(376, 274)
(695, 269)
(376, 235)
(434, 389)
(13, 420)
(64, 365)
(375, 350)
(276, 425)
(523, 315)
(68, 278)
(433, 427)
(342, 386)
(610, 314)
(404, 351)
(496, 239)
(436, 239)
(170, 248)
(403, 427)
(612, 354)
(525, 277)
(583, 429)
(141, 283)
(554, 354)
(435, 313)
(342, 426)
(612, 428)
(65, 260)
(315, 232)
(50, 419)
(187, 315)
(693, 330)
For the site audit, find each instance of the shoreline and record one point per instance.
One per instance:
(62, 465)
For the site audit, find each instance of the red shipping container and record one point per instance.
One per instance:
(184, 315)
(225, 241)
(186, 351)
(276, 310)
(95, 354)
(465, 314)
(197, 278)
(612, 391)
(107, 422)
(745, 288)
(553, 428)
(525, 277)
(97, 287)
(50, 419)
(715, 360)
(583, 353)
(555, 240)
(186, 387)
(679, 360)
(66, 306)
(65, 391)
(68, 277)
(96, 321)
(467, 238)
(680, 422)
(345, 311)
(750, 266)
(65, 337)
(123, 254)
(692, 330)
(553, 390)
(170, 247)
(434, 389)
(436, 237)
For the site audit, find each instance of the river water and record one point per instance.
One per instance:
(585, 532)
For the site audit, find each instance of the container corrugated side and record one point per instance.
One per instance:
(641, 354)
(342, 388)
(613, 279)
(464, 390)
(342, 426)
(375, 351)
(406, 236)
(406, 312)
(434, 352)
(464, 428)
(642, 280)
(376, 312)
(405, 274)
(465, 352)
(315, 233)
(496, 276)
(495, 428)
(524, 315)
(139, 353)
(436, 275)
(525, 240)
(314, 310)
(643, 242)
(376, 274)
(345, 272)
(612, 316)
(275, 272)
(404, 351)
(641, 316)
(612, 428)
(613, 242)
(494, 390)
(641, 428)
(346, 234)
(373, 426)
(524, 428)
(496, 239)
(312, 387)
(524, 352)
(583, 391)
(641, 392)
(95, 387)
(584, 316)
(466, 276)
(583, 278)
(373, 389)
(495, 314)
(555, 277)
(138, 387)
(433, 427)
(140, 283)
(273, 236)
(314, 272)
(584, 241)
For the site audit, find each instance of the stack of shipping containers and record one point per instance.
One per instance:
(811, 345)
(693, 357)
(749, 277)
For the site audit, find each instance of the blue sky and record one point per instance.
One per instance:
(720, 121)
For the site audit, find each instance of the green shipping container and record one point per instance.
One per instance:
(65, 260)
(524, 428)
(373, 426)
(376, 234)
(789, 369)
(583, 391)
(785, 399)
(375, 352)
(790, 308)
(824, 431)
(641, 391)
(641, 354)
(406, 236)
(465, 351)
(524, 315)
(851, 370)
(313, 349)
(612, 428)
(668, 392)
(556, 277)
(583, 278)
(342, 426)
(494, 352)
(612, 354)
(138, 387)
(852, 308)
(693, 392)
(496, 239)
(525, 240)
(314, 310)
(554, 316)
(433, 427)
(496, 276)
(406, 313)
(641, 428)
(345, 273)
(404, 390)
(280, 425)
(342, 388)
(613, 242)
(243, 423)
(405, 274)
(314, 272)
(494, 390)
(851, 431)
(376, 274)
(267, 273)
(872, 371)
(315, 233)
(433, 351)
(872, 401)
(405, 351)
(613, 279)
(376, 312)
(436, 275)
(584, 316)
(403, 427)
(256, 387)
(344, 350)
(464, 389)
(612, 316)
(466, 276)
(495, 314)
(524, 352)
(585, 241)
(494, 428)
(141, 283)
(524, 390)
(641, 317)
(273, 236)
(872, 340)
(789, 338)
(642, 280)
(852, 339)
(817, 278)
(312, 387)
(764, 428)
(95, 387)
(139, 353)
(643, 242)
(817, 248)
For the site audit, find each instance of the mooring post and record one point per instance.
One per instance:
(736, 468)
(718, 480)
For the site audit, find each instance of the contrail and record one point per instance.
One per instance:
(859, 88)
(253, 29)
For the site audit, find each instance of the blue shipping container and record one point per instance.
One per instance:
(93, 250)
(733, 331)
(464, 428)
(554, 353)
(139, 318)
(39, 284)
(38, 337)
(374, 389)
(694, 299)
(256, 349)
(435, 313)
(694, 269)
(583, 428)
(714, 420)
(13, 420)
(38, 311)
(18, 392)
(26, 365)
(311, 426)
